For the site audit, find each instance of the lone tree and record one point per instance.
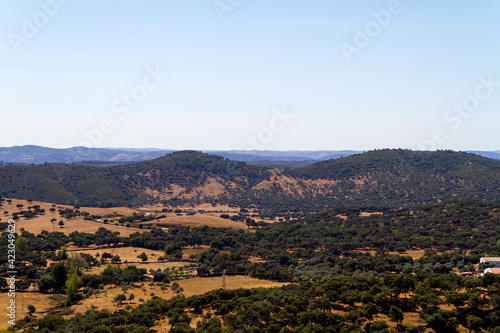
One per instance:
(120, 298)
(396, 314)
(31, 309)
(473, 323)
(59, 274)
(63, 253)
(442, 321)
(143, 256)
(3, 282)
(61, 223)
(106, 255)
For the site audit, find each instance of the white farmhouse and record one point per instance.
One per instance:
(490, 260)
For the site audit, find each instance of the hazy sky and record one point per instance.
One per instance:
(231, 74)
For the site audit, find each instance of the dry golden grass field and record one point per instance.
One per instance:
(208, 208)
(187, 251)
(193, 286)
(198, 220)
(415, 254)
(147, 266)
(128, 255)
(42, 222)
(23, 299)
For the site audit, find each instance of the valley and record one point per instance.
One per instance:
(382, 241)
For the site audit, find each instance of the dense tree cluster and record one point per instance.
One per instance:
(393, 178)
(31, 212)
(339, 304)
(338, 261)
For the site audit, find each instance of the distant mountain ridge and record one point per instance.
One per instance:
(391, 178)
(495, 154)
(38, 155)
(31, 154)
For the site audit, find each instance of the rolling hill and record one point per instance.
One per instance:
(390, 178)
(185, 174)
(31, 154)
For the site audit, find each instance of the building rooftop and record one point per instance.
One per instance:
(489, 259)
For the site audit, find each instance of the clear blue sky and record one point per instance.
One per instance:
(231, 69)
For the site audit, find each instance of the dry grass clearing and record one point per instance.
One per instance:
(128, 254)
(125, 211)
(200, 285)
(198, 220)
(39, 223)
(369, 214)
(186, 252)
(415, 254)
(148, 265)
(207, 207)
(193, 286)
(411, 319)
(23, 299)
(42, 222)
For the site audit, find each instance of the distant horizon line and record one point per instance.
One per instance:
(245, 150)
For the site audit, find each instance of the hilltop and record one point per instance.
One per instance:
(391, 178)
(31, 154)
(180, 175)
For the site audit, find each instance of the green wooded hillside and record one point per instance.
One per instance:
(390, 178)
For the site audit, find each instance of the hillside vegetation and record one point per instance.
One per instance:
(337, 269)
(390, 178)
(173, 176)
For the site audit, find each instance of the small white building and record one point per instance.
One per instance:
(493, 270)
(490, 260)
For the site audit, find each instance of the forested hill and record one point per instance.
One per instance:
(180, 175)
(390, 178)
(400, 177)
(401, 164)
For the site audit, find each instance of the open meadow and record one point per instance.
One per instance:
(142, 291)
(197, 220)
(38, 223)
(329, 251)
